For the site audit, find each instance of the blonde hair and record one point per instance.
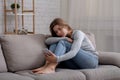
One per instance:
(60, 22)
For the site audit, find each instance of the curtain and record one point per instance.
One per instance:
(101, 17)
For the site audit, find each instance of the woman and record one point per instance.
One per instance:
(69, 46)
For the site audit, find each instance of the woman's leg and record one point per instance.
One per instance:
(58, 49)
(82, 60)
(62, 48)
(69, 64)
(52, 48)
(85, 60)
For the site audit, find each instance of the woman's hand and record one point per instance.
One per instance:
(51, 57)
(69, 40)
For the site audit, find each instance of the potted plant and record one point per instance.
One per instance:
(13, 6)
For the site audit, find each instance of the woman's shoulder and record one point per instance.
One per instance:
(78, 33)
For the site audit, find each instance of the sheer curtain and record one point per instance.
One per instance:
(101, 17)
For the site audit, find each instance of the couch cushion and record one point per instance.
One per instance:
(12, 76)
(103, 72)
(23, 51)
(92, 38)
(60, 74)
(109, 58)
(3, 67)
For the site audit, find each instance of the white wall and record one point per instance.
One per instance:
(101, 17)
(45, 12)
(1, 17)
(64, 9)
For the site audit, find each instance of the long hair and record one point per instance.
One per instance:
(60, 22)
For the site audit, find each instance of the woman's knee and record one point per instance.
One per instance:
(61, 41)
(65, 42)
(53, 44)
(52, 47)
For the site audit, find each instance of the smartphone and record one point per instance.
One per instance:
(46, 50)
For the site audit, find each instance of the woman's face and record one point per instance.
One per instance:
(60, 31)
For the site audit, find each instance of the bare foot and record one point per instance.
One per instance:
(41, 68)
(49, 69)
(38, 69)
(46, 71)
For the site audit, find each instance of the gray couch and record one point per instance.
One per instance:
(19, 54)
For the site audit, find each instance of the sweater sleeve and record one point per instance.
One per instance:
(78, 37)
(52, 40)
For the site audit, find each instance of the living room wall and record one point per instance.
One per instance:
(45, 12)
(106, 29)
(1, 16)
(101, 17)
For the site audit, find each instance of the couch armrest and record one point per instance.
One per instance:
(110, 58)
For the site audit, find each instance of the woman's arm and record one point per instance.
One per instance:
(78, 37)
(52, 40)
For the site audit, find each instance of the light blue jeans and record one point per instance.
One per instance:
(82, 60)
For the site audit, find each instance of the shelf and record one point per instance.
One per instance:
(12, 33)
(20, 14)
(9, 10)
(22, 11)
(9, 33)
